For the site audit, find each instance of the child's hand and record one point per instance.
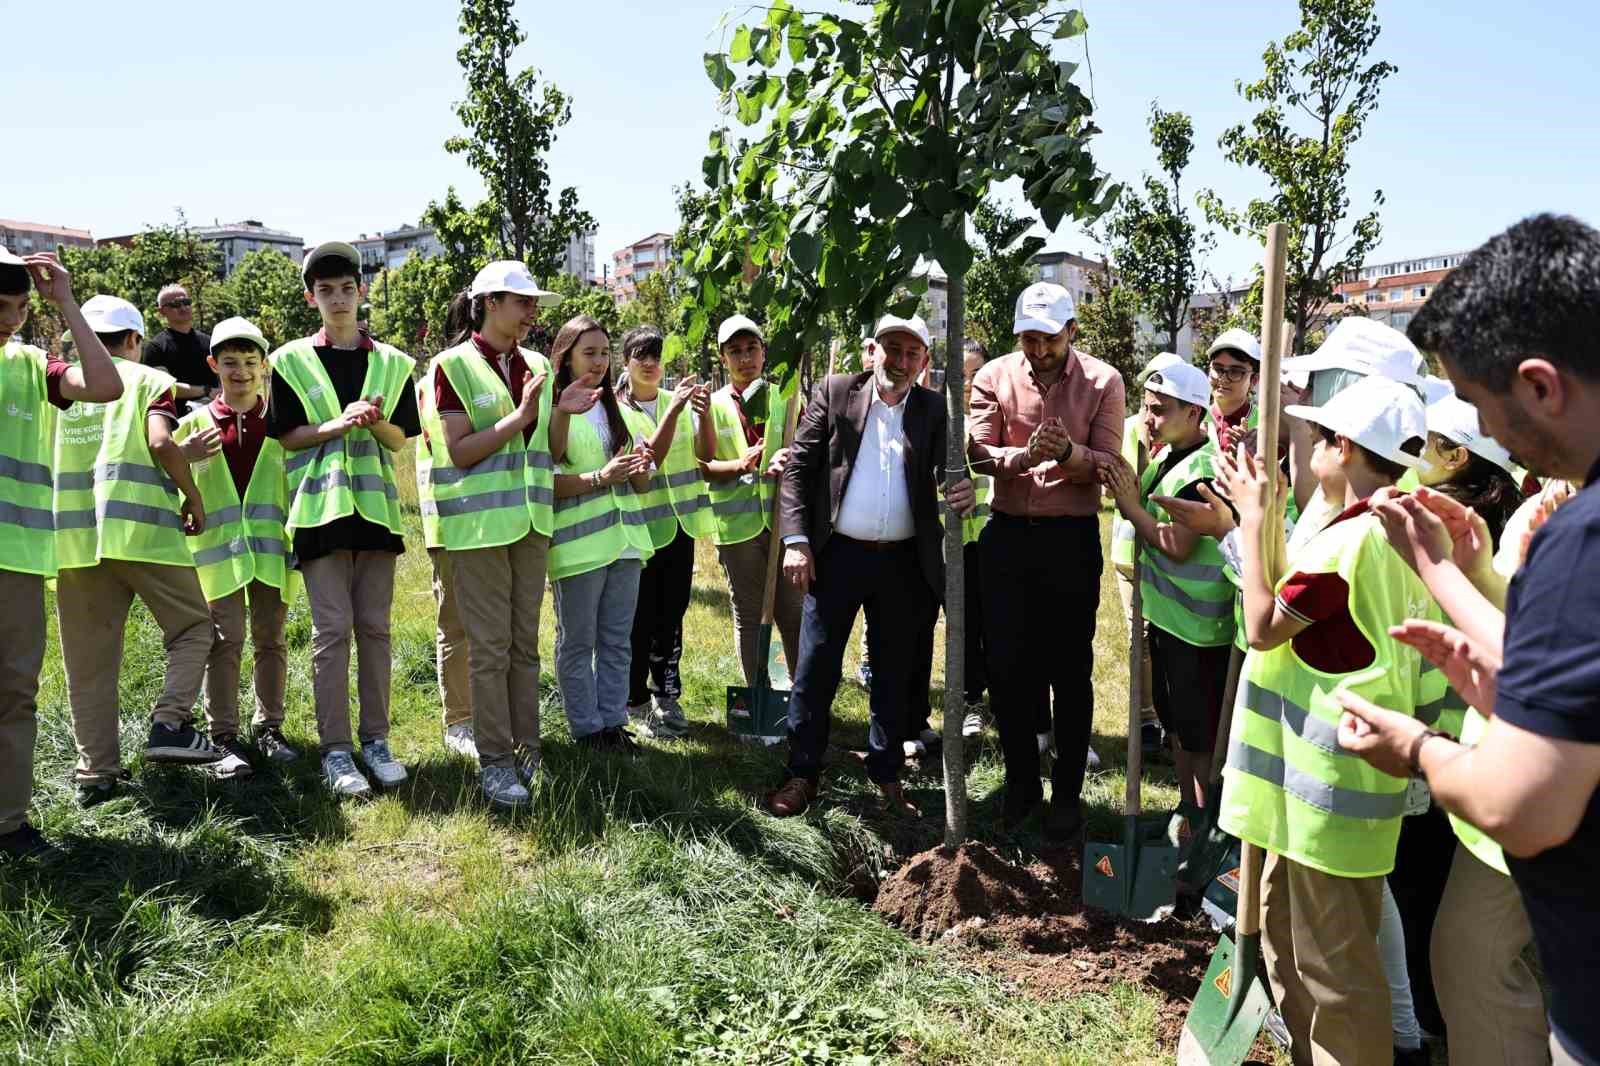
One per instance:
(780, 459)
(202, 445)
(49, 277)
(1118, 478)
(700, 401)
(577, 397)
(530, 395)
(194, 515)
(1209, 519)
(1244, 481)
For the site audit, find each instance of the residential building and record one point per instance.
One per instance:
(28, 238)
(580, 257)
(630, 266)
(238, 239)
(1071, 271)
(1392, 292)
(935, 305)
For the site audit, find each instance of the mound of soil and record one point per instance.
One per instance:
(1028, 924)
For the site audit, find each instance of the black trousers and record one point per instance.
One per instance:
(976, 661)
(664, 586)
(1041, 589)
(889, 584)
(1190, 683)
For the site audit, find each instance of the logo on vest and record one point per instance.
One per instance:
(16, 412)
(483, 399)
(313, 392)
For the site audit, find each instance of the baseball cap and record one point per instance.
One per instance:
(10, 258)
(1456, 420)
(1363, 346)
(913, 325)
(1377, 413)
(1182, 382)
(1160, 362)
(1045, 308)
(237, 329)
(734, 324)
(513, 276)
(1436, 388)
(112, 314)
(342, 249)
(1237, 340)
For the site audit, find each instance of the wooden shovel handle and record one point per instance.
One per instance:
(769, 595)
(1130, 796)
(1248, 916)
(1274, 268)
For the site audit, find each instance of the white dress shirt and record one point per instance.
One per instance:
(877, 503)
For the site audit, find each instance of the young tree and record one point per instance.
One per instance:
(1319, 72)
(410, 303)
(511, 121)
(1155, 244)
(999, 271)
(884, 136)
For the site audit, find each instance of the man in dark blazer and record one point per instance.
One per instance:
(859, 513)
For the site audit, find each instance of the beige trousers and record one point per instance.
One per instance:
(92, 604)
(350, 592)
(1489, 996)
(745, 566)
(450, 644)
(267, 612)
(498, 592)
(1147, 713)
(1319, 936)
(21, 659)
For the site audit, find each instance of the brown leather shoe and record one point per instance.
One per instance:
(895, 802)
(792, 798)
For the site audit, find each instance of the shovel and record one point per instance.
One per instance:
(1233, 1000)
(1133, 878)
(1209, 846)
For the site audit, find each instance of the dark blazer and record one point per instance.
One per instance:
(826, 443)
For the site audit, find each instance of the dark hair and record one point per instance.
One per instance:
(1486, 488)
(239, 344)
(1532, 291)
(116, 339)
(972, 347)
(1387, 467)
(14, 279)
(640, 340)
(566, 340)
(331, 268)
(464, 317)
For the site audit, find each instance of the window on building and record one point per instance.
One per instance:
(1400, 319)
(1048, 272)
(1422, 292)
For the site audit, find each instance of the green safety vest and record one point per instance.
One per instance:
(678, 494)
(983, 493)
(27, 435)
(594, 528)
(1288, 786)
(352, 473)
(112, 499)
(1123, 534)
(1482, 846)
(1193, 600)
(505, 495)
(739, 505)
(1252, 421)
(244, 540)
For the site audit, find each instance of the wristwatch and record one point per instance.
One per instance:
(1414, 757)
(1064, 456)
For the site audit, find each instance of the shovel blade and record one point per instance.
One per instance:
(758, 713)
(1218, 1033)
(1133, 878)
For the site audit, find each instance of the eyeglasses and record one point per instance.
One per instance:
(181, 302)
(1229, 373)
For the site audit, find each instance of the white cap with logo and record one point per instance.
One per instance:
(1043, 308)
(1456, 421)
(237, 329)
(1180, 381)
(913, 325)
(1363, 346)
(513, 276)
(735, 324)
(1237, 340)
(112, 314)
(1160, 362)
(1381, 415)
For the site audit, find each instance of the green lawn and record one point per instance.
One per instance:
(642, 912)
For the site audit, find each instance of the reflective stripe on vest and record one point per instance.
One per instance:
(983, 492)
(739, 505)
(1289, 787)
(27, 438)
(352, 473)
(244, 540)
(592, 529)
(677, 496)
(1193, 599)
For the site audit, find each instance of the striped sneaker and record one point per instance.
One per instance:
(381, 761)
(339, 770)
(179, 744)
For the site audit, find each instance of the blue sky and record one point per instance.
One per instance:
(328, 119)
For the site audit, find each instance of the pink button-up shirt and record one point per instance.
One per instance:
(1009, 403)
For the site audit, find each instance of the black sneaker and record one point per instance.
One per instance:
(619, 741)
(25, 842)
(1151, 742)
(235, 761)
(95, 790)
(179, 744)
(271, 744)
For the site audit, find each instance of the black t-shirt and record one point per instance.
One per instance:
(1549, 684)
(183, 355)
(347, 371)
(1170, 458)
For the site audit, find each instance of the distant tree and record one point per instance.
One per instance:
(101, 269)
(1108, 326)
(167, 254)
(266, 287)
(410, 303)
(1000, 271)
(579, 297)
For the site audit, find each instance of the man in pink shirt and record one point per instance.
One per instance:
(1041, 419)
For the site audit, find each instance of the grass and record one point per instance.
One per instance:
(641, 912)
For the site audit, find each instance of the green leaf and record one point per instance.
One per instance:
(769, 47)
(749, 107)
(717, 70)
(887, 198)
(796, 39)
(740, 51)
(1072, 24)
(779, 13)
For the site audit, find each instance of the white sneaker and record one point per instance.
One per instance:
(460, 739)
(1091, 762)
(975, 722)
(1044, 743)
(381, 761)
(914, 749)
(339, 770)
(502, 789)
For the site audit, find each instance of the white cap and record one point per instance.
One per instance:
(1363, 346)
(1376, 413)
(737, 324)
(1180, 381)
(342, 249)
(1434, 389)
(913, 325)
(1238, 340)
(112, 314)
(10, 258)
(1160, 362)
(1044, 308)
(513, 276)
(237, 329)
(1456, 420)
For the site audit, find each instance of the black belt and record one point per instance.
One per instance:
(877, 545)
(1044, 520)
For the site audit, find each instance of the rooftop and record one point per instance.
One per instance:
(40, 227)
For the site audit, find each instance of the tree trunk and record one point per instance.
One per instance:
(955, 586)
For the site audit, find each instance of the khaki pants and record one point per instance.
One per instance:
(498, 592)
(92, 605)
(450, 644)
(267, 614)
(1319, 936)
(21, 658)
(745, 565)
(350, 592)
(1147, 710)
(1489, 997)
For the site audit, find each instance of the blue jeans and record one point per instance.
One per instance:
(594, 629)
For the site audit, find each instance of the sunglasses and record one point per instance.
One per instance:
(1229, 373)
(184, 302)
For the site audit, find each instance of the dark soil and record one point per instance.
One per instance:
(1028, 924)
